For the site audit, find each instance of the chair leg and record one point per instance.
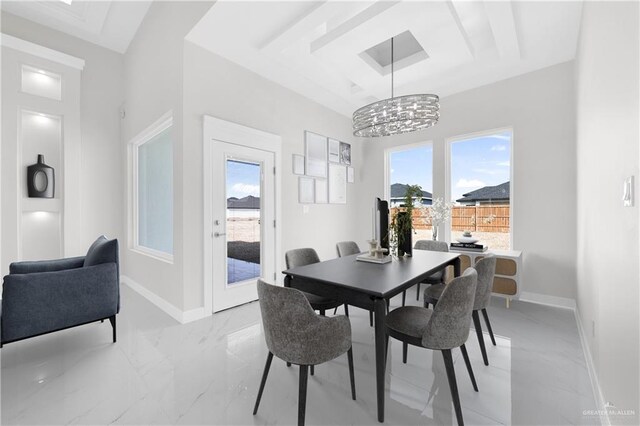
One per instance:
(351, 375)
(404, 296)
(418, 292)
(405, 346)
(465, 355)
(335, 310)
(346, 310)
(288, 364)
(386, 349)
(486, 321)
(313, 370)
(112, 320)
(478, 327)
(263, 381)
(370, 318)
(322, 311)
(451, 375)
(302, 394)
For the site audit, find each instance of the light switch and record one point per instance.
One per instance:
(627, 192)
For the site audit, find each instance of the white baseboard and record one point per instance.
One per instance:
(595, 384)
(545, 299)
(182, 317)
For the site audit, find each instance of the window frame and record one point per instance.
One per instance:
(387, 165)
(163, 123)
(448, 169)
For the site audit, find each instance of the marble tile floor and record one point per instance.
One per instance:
(208, 372)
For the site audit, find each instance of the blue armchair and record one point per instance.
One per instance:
(45, 296)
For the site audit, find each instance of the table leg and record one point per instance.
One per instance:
(456, 267)
(380, 307)
(287, 281)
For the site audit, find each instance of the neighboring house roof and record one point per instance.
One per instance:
(398, 190)
(248, 202)
(488, 193)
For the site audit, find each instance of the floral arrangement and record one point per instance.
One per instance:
(440, 211)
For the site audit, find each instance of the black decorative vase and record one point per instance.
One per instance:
(406, 245)
(40, 179)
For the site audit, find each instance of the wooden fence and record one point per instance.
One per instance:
(467, 218)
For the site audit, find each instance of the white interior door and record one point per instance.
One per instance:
(243, 222)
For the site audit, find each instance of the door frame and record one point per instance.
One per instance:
(215, 129)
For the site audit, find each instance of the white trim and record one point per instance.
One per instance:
(154, 129)
(226, 131)
(151, 131)
(595, 384)
(43, 52)
(545, 299)
(182, 317)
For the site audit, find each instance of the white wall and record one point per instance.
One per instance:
(220, 88)
(607, 73)
(540, 107)
(101, 91)
(153, 85)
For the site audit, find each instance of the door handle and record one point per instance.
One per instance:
(219, 234)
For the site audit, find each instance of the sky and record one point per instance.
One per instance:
(475, 163)
(242, 179)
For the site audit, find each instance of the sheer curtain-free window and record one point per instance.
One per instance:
(153, 164)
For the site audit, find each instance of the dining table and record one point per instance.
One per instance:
(370, 286)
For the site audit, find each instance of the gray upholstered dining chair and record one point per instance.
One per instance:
(348, 248)
(294, 333)
(444, 328)
(486, 268)
(437, 277)
(307, 256)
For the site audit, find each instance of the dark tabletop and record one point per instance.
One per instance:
(378, 280)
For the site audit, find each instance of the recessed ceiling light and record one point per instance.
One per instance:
(66, 1)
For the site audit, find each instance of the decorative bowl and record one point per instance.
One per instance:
(468, 240)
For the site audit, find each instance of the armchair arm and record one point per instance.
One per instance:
(29, 267)
(37, 303)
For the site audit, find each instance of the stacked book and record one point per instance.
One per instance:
(469, 247)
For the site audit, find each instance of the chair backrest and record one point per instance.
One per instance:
(486, 268)
(347, 248)
(285, 315)
(301, 257)
(431, 245)
(449, 324)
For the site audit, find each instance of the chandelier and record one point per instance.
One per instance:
(395, 115)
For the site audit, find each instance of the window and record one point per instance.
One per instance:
(411, 165)
(153, 190)
(479, 186)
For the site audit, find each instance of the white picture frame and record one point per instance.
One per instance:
(334, 150)
(321, 191)
(306, 190)
(345, 153)
(351, 175)
(337, 184)
(298, 164)
(315, 154)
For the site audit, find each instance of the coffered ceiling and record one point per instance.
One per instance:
(334, 52)
(111, 24)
